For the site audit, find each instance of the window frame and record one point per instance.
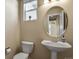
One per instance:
(31, 10)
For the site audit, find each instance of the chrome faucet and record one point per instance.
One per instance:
(63, 39)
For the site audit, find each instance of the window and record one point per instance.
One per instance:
(30, 10)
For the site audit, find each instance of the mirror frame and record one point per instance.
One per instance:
(66, 22)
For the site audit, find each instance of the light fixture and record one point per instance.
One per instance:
(46, 1)
(54, 0)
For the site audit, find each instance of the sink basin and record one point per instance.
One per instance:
(55, 47)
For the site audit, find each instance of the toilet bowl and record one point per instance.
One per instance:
(21, 56)
(27, 48)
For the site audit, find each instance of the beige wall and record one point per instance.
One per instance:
(12, 29)
(34, 30)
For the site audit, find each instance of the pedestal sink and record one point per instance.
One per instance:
(55, 47)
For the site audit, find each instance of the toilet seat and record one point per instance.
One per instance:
(21, 55)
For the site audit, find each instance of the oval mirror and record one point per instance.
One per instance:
(55, 21)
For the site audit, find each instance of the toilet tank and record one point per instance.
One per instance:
(27, 47)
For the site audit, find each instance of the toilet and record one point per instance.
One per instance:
(27, 48)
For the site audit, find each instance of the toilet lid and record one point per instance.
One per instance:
(21, 56)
